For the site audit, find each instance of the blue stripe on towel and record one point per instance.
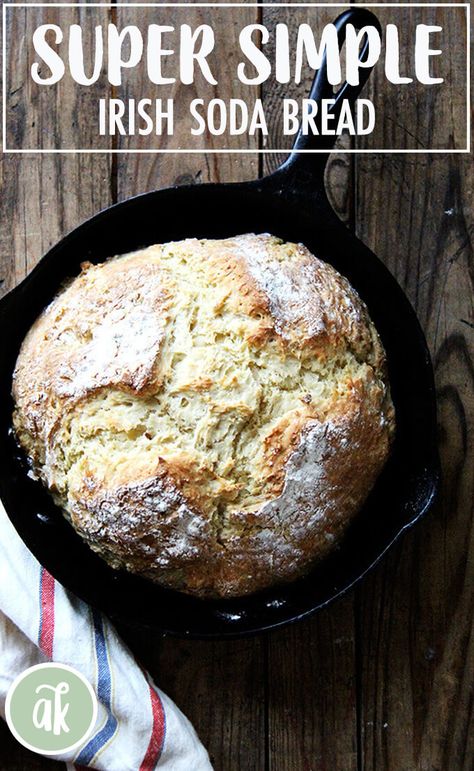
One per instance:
(104, 693)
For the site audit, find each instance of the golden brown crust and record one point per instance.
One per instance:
(209, 414)
(104, 330)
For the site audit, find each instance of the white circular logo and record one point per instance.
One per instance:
(51, 708)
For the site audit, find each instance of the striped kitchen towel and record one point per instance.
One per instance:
(138, 728)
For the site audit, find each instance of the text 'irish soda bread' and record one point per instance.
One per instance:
(208, 414)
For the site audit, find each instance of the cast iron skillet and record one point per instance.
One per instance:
(290, 203)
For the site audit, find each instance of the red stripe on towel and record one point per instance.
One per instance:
(157, 733)
(46, 635)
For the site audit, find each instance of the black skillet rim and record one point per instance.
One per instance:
(290, 617)
(298, 181)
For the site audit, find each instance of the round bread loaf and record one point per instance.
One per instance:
(208, 414)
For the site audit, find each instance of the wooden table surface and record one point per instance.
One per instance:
(383, 679)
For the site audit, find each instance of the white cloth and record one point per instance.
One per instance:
(138, 727)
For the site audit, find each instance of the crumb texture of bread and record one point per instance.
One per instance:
(208, 414)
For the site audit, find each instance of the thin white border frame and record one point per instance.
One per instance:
(219, 151)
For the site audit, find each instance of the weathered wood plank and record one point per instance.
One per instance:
(415, 620)
(339, 170)
(312, 720)
(416, 115)
(140, 173)
(416, 613)
(52, 116)
(312, 693)
(42, 198)
(403, 652)
(219, 686)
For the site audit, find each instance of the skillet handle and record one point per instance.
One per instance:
(308, 166)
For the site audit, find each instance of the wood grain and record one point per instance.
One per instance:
(416, 611)
(139, 173)
(312, 684)
(415, 614)
(339, 170)
(383, 680)
(312, 691)
(220, 686)
(40, 117)
(42, 198)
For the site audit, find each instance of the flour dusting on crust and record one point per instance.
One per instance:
(208, 414)
(308, 299)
